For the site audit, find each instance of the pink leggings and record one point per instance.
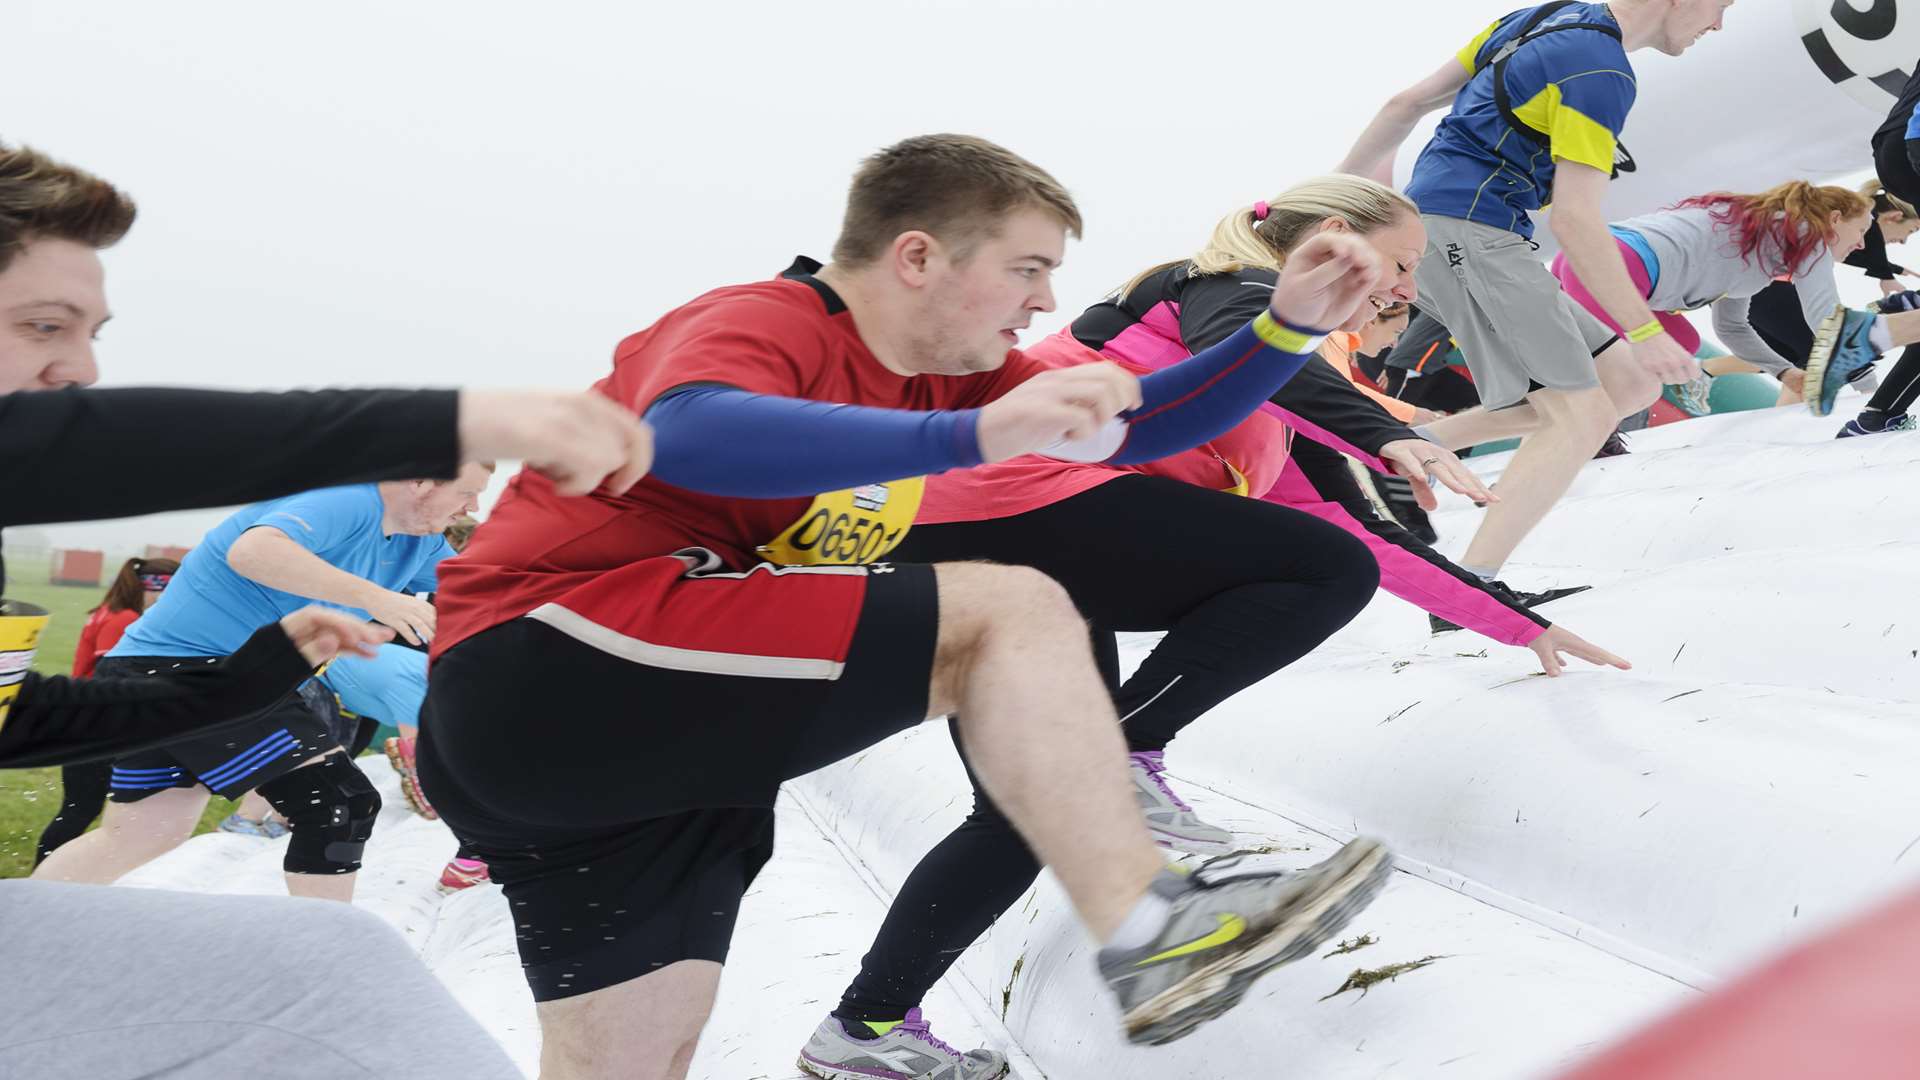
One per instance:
(1677, 325)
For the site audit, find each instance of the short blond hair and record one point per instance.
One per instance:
(956, 188)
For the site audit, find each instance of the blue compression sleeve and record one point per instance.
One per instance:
(720, 440)
(1211, 392)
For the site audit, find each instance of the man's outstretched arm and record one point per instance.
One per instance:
(1373, 154)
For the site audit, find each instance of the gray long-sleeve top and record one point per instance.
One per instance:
(1700, 264)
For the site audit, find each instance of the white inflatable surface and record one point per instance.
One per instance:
(1577, 853)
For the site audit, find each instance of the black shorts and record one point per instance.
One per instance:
(1775, 314)
(235, 760)
(626, 806)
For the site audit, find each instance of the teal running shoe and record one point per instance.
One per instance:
(1840, 349)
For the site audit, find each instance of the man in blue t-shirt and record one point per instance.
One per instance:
(1539, 100)
(365, 549)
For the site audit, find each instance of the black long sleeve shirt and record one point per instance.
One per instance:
(1872, 256)
(70, 455)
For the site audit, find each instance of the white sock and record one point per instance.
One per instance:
(1143, 923)
(1481, 572)
(1880, 336)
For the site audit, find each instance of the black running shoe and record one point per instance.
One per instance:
(1512, 596)
(1397, 493)
(1392, 499)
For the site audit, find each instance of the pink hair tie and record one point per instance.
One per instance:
(1260, 211)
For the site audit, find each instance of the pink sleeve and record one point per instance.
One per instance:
(1417, 574)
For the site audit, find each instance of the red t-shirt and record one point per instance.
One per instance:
(101, 633)
(790, 337)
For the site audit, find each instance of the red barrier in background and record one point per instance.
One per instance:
(1842, 1005)
(75, 567)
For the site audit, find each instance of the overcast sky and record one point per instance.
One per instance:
(493, 194)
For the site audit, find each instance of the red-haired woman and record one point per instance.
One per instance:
(84, 787)
(1721, 249)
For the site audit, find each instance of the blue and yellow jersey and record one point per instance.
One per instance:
(1573, 86)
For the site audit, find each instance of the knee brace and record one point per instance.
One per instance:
(330, 808)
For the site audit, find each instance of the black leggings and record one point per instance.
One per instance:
(1242, 587)
(83, 794)
(1897, 392)
(1894, 160)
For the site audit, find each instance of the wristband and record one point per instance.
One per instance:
(1284, 336)
(1646, 331)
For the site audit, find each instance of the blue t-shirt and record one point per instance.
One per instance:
(1573, 86)
(209, 610)
(388, 687)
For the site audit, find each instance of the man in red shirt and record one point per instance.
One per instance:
(725, 626)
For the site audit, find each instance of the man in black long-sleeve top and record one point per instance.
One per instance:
(108, 982)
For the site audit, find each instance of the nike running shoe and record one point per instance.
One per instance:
(1692, 396)
(1229, 926)
(1840, 349)
(400, 752)
(464, 874)
(267, 828)
(1906, 300)
(1903, 422)
(1512, 596)
(904, 1051)
(1171, 821)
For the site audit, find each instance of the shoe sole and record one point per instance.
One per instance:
(1176, 1011)
(829, 1072)
(1825, 340)
(1574, 591)
(1189, 845)
(409, 784)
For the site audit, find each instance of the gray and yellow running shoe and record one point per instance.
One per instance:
(1171, 821)
(1230, 925)
(904, 1051)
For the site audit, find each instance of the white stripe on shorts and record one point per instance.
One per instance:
(587, 632)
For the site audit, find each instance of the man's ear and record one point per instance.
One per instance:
(912, 254)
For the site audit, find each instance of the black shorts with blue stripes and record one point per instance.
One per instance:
(234, 759)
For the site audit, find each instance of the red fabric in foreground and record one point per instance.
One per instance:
(1842, 1005)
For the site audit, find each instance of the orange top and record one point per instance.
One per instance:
(1338, 350)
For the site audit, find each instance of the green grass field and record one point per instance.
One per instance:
(30, 797)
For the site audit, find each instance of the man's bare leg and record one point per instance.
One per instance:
(322, 886)
(1474, 426)
(641, 1029)
(130, 836)
(1012, 658)
(1577, 423)
(1040, 729)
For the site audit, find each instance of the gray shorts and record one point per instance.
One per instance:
(1515, 327)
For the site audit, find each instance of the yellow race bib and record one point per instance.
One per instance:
(847, 528)
(20, 629)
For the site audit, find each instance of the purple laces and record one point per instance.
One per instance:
(916, 1026)
(1154, 762)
